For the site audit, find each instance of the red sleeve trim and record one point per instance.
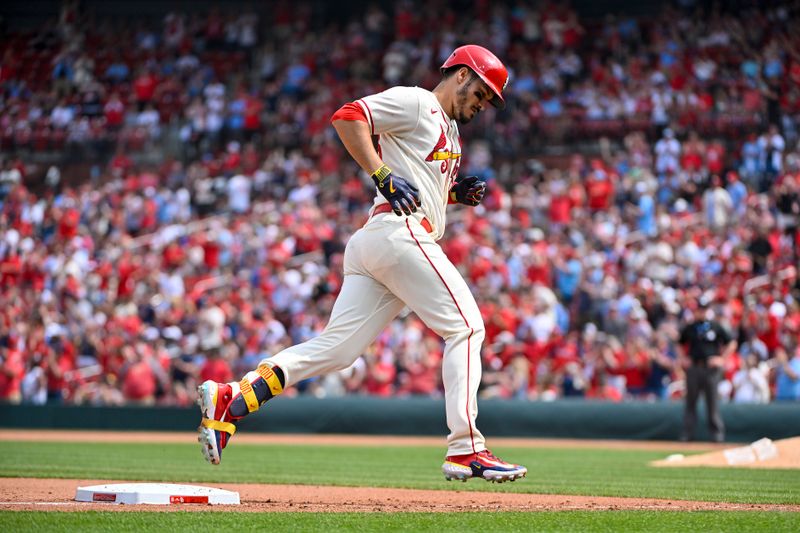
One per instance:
(350, 111)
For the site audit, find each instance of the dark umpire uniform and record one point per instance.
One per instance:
(708, 344)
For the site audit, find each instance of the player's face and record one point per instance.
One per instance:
(472, 96)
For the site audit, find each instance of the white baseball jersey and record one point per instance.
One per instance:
(394, 262)
(419, 142)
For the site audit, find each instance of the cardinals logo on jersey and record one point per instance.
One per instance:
(440, 145)
(441, 153)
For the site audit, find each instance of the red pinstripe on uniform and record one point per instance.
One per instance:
(471, 331)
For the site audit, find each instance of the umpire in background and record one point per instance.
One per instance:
(708, 344)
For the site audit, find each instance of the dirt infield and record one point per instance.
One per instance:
(58, 494)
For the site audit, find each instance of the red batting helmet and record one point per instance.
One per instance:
(485, 64)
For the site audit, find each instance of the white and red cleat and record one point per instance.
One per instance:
(216, 427)
(482, 464)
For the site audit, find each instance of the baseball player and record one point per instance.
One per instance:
(394, 260)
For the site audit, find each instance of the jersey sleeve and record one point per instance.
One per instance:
(394, 110)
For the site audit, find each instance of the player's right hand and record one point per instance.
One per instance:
(468, 191)
(403, 197)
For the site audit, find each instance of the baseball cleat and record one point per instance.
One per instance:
(215, 428)
(482, 464)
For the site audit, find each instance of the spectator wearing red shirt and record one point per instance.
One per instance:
(59, 361)
(10, 269)
(12, 369)
(576, 192)
(68, 223)
(173, 255)
(252, 116)
(599, 188)
(715, 157)
(540, 269)
(421, 377)
(114, 111)
(458, 248)
(120, 164)
(33, 272)
(381, 373)
(560, 203)
(603, 390)
(144, 87)
(138, 378)
(406, 23)
(633, 362)
(211, 251)
(127, 270)
(573, 31)
(693, 152)
(769, 330)
(216, 368)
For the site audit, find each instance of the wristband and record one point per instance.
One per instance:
(382, 173)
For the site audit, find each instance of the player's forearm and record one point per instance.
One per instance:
(356, 137)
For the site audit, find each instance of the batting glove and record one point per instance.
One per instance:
(468, 191)
(402, 195)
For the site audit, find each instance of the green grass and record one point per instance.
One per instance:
(583, 521)
(551, 471)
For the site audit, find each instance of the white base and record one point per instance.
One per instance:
(760, 450)
(156, 494)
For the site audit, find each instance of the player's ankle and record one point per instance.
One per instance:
(257, 387)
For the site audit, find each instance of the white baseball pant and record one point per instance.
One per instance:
(389, 263)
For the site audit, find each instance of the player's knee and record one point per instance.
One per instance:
(474, 331)
(478, 331)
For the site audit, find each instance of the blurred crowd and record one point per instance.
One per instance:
(144, 280)
(83, 83)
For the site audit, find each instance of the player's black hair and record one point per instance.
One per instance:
(449, 71)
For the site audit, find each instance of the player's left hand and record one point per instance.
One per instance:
(468, 191)
(402, 195)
